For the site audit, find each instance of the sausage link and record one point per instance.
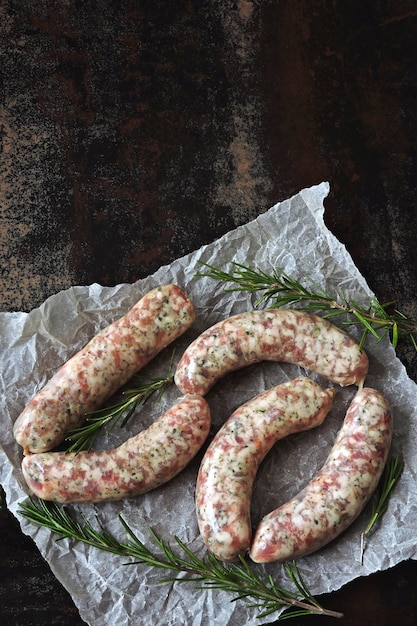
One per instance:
(140, 464)
(108, 361)
(228, 470)
(271, 335)
(338, 493)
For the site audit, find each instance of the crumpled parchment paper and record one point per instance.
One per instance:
(291, 236)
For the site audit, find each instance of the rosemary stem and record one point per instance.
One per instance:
(279, 289)
(241, 580)
(317, 610)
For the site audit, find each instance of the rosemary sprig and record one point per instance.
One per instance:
(239, 579)
(282, 290)
(390, 477)
(84, 437)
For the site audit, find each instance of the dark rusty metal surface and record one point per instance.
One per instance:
(134, 132)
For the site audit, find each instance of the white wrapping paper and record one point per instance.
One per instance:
(291, 236)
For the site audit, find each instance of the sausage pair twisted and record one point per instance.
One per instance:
(143, 462)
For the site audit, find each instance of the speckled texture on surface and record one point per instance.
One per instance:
(120, 150)
(133, 132)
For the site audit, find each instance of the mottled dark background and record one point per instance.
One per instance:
(133, 132)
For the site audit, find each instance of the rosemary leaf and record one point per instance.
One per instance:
(389, 479)
(279, 289)
(365, 322)
(239, 579)
(395, 335)
(84, 437)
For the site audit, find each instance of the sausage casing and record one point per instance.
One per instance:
(229, 466)
(270, 335)
(107, 362)
(338, 493)
(140, 464)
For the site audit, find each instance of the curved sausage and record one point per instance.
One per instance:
(270, 335)
(338, 493)
(140, 464)
(108, 361)
(228, 470)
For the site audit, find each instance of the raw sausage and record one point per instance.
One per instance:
(270, 335)
(140, 464)
(338, 493)
(227, 472)
(108, 361)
